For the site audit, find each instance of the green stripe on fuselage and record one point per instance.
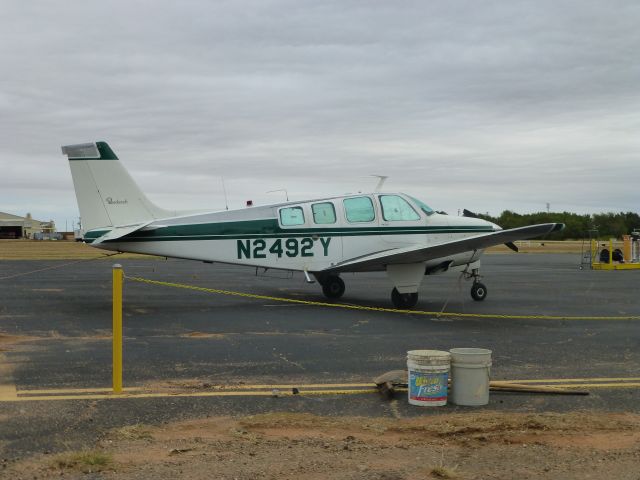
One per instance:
(269, 228)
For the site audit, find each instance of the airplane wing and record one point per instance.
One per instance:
(421, 253)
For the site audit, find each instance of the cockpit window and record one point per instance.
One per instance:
(395, 208)
(423, 206)
(291, 216)
(323, 213)
(359, 209)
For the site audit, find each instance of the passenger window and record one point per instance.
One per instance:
(359, 209)
(291, 216)
(323, 213)
(395, 208)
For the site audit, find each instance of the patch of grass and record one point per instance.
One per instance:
(440, 471)
(443, 472)
(58, 250)
(133, 432)
(87, 461)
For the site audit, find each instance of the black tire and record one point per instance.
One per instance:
(403, 301)
(479, 291)
(333, 287)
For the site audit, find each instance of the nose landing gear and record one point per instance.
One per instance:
(478, 289)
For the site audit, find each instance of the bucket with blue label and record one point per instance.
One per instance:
(428, 377)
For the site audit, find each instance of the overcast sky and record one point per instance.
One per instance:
(480, 105)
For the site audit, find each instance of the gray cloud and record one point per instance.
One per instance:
(486, 105)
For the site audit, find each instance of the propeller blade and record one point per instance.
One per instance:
(512, 246)
(469, 213)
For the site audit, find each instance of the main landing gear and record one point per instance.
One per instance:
(478, 289)
(332, 286)
(403, 301)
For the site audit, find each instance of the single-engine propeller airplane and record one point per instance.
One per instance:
(323, 238)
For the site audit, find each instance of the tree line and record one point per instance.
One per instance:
(577, 226)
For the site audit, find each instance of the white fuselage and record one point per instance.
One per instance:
(257, 236)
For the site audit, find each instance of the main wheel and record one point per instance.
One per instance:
(403, 301)
(478, 291)
(333, 287)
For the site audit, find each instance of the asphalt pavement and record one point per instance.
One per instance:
(191, 339)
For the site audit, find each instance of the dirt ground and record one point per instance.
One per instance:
(489, 445)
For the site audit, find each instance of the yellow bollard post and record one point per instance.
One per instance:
(611, 252)
(117, 328)
(626, 248)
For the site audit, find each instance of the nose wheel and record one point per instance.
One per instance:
(478, 289)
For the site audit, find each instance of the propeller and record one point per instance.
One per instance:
(512, 246)
(470, 214)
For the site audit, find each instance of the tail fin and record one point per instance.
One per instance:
(107, 195)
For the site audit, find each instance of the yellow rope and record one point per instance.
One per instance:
(373, 309)
(57, 266)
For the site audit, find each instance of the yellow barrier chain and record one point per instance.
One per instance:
(372, 309)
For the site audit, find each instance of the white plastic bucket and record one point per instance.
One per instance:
(428, 377)
(470, 374)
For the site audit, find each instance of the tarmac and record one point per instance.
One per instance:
(189, 354)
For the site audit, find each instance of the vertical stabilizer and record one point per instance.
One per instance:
(107, 195)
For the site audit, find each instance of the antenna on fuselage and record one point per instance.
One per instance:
(286, 194)
(382, 179)
(226, 200)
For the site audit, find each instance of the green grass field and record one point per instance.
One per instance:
(53, 250)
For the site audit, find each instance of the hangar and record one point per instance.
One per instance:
(14, 226)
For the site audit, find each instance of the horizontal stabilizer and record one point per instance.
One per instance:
(89, 151)
(100, 235)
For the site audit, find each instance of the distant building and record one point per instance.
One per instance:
(13, 226)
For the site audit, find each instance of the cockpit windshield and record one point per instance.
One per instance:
(423, 206)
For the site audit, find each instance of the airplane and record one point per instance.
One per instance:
(323, 237)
